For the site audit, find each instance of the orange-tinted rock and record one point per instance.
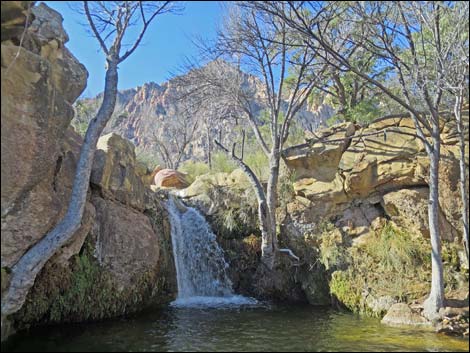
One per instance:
(171, 178)
(154, 172)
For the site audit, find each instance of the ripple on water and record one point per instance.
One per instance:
(204, 326)
(215, 302)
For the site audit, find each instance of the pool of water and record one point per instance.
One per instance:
(244, 328)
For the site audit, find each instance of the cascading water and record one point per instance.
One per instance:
(199, 260)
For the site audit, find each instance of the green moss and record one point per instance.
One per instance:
(90, 295)
(85, 291)
(346, 289)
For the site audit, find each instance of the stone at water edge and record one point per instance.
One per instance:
(401, 314)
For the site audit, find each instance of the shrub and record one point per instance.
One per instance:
(396, 250)
(147, 158)
(194, 169)
(222, 163)
(332, 251)
(344, 287)
(237, 213)
(259, 163)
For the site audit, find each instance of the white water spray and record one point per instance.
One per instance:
(200, 265)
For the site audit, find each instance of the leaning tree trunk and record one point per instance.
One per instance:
(265, 220)
(435, 301)
(24, 272)
(463, 170)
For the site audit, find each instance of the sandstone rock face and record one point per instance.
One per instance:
(38, 87)
(37, 92)
(170, 178)
(385, 160)
(318, 159)
(114, 171)
(14, 14)
(126, 244)
(41, 207)
(408, 207)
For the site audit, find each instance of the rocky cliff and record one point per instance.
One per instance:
(153, 113)
(120, 259)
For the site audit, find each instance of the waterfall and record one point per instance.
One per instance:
(201, 269)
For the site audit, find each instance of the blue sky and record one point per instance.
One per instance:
(166, 43)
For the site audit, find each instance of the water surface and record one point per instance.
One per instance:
(245, 328)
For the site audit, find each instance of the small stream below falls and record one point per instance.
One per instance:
(208, 316)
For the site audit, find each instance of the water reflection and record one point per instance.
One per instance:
(285, 328)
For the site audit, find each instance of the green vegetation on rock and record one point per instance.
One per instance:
(85, 291)
(391, 264)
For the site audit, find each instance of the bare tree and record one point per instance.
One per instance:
(109, 22)
(283, 72)
(176, 135)
(455, 63)
(406, 37)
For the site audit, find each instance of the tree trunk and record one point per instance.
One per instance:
(435, 301)
(209, 147)
(463, 170)
(270, 245)
(268, 254)
(268, 233)
(24, 272)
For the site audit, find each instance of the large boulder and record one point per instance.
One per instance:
(126, 244)
(14, 14)
(170, 178)
(114, 171)
(41, 207)
(119, 260)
